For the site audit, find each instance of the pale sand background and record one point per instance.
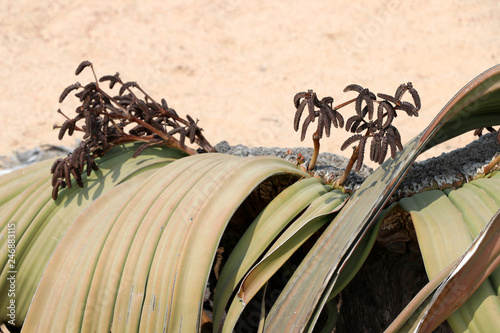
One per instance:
(236, 65)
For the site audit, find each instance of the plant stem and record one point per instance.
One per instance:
(492, 164)
(348, 168)
(169, 140)
(314, 157)
(344, 104)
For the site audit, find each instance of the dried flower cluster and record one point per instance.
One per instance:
(326, 114)
(369, 122)
(110, 121)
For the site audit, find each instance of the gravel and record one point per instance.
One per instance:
(446, 170)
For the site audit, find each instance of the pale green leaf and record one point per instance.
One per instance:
(40, 222)
(446, 225)
(143, 263)
(270, 222)
(320, 212)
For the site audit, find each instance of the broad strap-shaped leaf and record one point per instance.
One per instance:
(475, 105)
(444, 236)
(179, 271)
(481, 260)
(143, 264)
(260, 234)
(446, 222)
(94, 250)
(40, 222)
(308, 289)
(319, 212)
(15, 182)
(453, 285)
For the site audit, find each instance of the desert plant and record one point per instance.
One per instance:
(139, 247)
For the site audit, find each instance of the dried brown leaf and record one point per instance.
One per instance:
(297, 98)
(383, 151)
(389, 98)
(416, 98)
(400, 91)
(375, 148)
(55, 189)
(350, 122)
(139, 150)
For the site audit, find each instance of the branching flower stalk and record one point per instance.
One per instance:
(110, 121)
(376, 125)
(316, 138)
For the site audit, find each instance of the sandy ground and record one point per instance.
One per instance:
(236, 64)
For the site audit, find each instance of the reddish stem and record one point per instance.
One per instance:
(314, 157)
(347, 171)
(348, 168)
(345, 104)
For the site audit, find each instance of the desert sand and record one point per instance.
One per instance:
(236, 65)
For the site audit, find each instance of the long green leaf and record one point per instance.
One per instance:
(466, 273)
(409, 318)
(446, 223)
(18, 180)
(94, 250)
(65, 284)
(481, 260)
(132, 288)
(40, 222)
(180, 268)
(454, 285)
(476, 105)
(131, 268)
(320, 212)
(270, 222)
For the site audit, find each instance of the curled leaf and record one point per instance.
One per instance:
(391, 113)
(400, 91)
(389, 98)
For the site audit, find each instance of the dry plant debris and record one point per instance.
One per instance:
(107, 121)
(368, 123)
